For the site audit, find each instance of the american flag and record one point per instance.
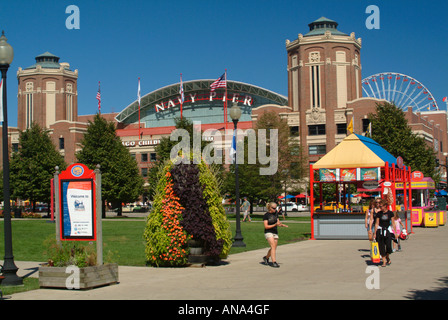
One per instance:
(98, 97)
(219, 83)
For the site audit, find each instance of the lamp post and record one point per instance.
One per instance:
(235, 114)
(9, 269)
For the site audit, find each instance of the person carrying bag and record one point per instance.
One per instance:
(383, 232)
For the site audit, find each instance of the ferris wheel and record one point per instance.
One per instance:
(404, 91)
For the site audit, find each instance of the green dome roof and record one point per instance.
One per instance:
(46, 60)
(321, 25)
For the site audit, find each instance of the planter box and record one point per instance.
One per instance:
(89, 277)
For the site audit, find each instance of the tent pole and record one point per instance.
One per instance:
(312, 200)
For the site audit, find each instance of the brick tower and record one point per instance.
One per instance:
(48, 96)
(324, 73)
(47, 92)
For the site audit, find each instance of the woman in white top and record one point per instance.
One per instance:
(374, 207)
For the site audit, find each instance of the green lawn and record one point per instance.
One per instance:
(123, 240)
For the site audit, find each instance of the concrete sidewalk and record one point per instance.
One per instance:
(313, 269)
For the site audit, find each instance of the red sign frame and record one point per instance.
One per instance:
(77, 172)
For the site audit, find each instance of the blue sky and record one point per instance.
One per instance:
(119, 41)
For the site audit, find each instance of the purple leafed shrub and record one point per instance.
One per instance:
(196, 218)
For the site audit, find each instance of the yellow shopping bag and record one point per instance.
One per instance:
(375, 252)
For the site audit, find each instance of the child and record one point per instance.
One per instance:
(396, 222)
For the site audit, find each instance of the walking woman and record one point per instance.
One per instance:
(271, 222)
(374, 208)
(383, 233)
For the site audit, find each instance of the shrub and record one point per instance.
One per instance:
(165, 237)
(68, 253)
(211, 194)
(196, 216)
(187, 205)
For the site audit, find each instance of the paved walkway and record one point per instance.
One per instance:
(313, 269)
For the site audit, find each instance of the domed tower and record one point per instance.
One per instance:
(324, 73)
(47, 92)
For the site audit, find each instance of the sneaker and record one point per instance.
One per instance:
(265, 260)
(275, 265)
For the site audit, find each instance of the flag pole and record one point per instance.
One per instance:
(139, 133)
(225, 101)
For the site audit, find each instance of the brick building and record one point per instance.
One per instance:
(324, 95)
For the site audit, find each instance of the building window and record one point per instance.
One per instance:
(29, 110)
(341, 128)
(69, 102)
(315, 130)
(315, 86)
(144, 157)
(61, 144)
(144, 172)
(294, 131)
(69, 107)
(15, 147)
(153, 156)
(365, 125)
(317, 149)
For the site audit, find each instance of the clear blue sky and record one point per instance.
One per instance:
(119, 41)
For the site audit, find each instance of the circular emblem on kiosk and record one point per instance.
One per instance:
(77, 171)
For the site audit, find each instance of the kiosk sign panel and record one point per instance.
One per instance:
(77, 209)
(77, 199)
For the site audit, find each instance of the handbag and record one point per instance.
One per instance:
(375, 252)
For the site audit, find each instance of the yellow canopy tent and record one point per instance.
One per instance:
(356, 151)
(358, 159)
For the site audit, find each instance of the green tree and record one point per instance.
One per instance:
(33, 166)
(163, 151)
(290, 165)
(120, 176)
(391, 130)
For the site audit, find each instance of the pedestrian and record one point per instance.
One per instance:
(271, 222)
(374, 208)
(397, 224)
(245, 207)
(383, 233)
(280, 212)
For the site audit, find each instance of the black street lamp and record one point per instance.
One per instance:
(235, 114)
(9, 269)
